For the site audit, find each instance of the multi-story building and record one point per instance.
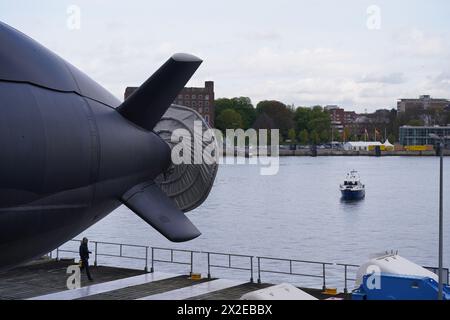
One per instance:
(424, 102)
(418, 136)
(339, 117)
(199, 99)
(336, 114)
(350, 117)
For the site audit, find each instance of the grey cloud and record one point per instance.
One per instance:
(263, 36)
(392, 78)
(443, 77)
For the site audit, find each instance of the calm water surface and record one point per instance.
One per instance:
(298, 212)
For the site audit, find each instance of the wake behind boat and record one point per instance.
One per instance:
(352, 188)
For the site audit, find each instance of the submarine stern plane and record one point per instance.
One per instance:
(70, 152)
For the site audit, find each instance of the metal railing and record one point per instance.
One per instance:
(156, 256)
(291, 263)
(190, 263)
(229, 264)
(287, 267)
(120, 254)
(346, 278)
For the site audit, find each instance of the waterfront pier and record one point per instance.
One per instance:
(151, 277)
(46, 280)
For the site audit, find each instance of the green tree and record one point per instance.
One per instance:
(302, 116)
(242, 105)
(229, 119)
(222, 104)
(392, 139)
(447, 117)
(314, 137)
(324, 136)
(346, 135)
(415, 122)
(292, 135)
(337, 136)
(279, 112)
(393, 124)
(320, 119)
(304, 137)
(313, 119)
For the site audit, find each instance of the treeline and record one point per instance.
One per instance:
(302, 124)
(313, 124)
(420, 117)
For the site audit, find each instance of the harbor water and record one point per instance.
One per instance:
(298, 214)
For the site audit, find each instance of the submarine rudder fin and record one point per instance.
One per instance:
(150, 203)
(150, 101)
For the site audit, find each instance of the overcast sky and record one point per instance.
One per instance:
(300, 52)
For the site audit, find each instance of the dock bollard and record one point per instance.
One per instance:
(324, 287)
(209, 267)
(146, 259)
(95, 257)
(259, 271)
(152, 269)
(192, 263)
(251, 269)
(345, 281)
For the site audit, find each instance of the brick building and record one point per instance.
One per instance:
(340, 118)
(350, 117)
(340, 115)
(336, 113)
(200, 99)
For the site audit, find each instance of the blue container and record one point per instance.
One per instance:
(399, 287)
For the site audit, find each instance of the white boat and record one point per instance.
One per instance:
(352, 188)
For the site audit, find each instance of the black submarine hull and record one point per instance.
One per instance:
(70, 152)
(66, 161)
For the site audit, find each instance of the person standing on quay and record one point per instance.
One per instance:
(84, 256)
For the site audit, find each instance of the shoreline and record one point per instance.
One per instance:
(334, 153)
(341, 153)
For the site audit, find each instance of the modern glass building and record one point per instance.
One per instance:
(419, 136)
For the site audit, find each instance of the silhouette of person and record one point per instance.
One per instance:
(84, 256)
